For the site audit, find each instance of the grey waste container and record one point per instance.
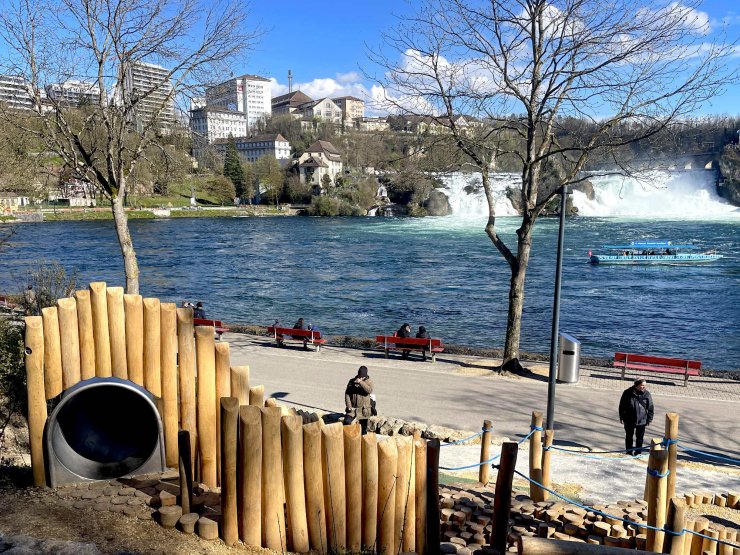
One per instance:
(569, 359)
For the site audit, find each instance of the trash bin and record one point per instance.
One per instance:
(569, 359)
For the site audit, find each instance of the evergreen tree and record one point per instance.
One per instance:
(233, 167)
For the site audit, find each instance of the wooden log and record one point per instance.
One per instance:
(207, 528)
(671, 434)
(99, 306)
(313, 479)
(675, 521)
(387, 468)
(85, 332)
(409, 532)
(535, 458)
(484, 472)
(701, 525)
(420, 463)
(206, 359)
(117, 332)
(295, 495)
(709, 546)
(168, 369)
(733, 500)
(223, 389)
(687, 537)
(369, 490)
(185, 467)
(546, 458)
(653, 443)
(250, 475)
(332, 444)
(69, 341)
(152, 346)
(433, 517)
(657, 463)
(229, 431)
(404, 497)
(134, 309)
(542, 546)
(36, 395)
(353, 485)
(273, 516)
(52, 352)
(502, 496)
(186, 371)
(240, 384)
(257, 396)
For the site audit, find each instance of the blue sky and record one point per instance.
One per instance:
(328, 58)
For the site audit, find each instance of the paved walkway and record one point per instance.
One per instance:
(461, 391)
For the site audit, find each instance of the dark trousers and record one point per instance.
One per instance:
(363, 425)
(633, 437)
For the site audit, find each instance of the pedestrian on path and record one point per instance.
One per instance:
(357, 399)
(636, 411)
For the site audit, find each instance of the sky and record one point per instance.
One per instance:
(325, 44)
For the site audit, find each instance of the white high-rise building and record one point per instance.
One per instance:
(150, 83)
(248, 94)
(16, 92)
(74, 93)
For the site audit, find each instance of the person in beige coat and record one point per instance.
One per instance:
(357, 399)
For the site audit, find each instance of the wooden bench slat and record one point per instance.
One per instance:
(650, 363)
(667, 369)
(292, 334)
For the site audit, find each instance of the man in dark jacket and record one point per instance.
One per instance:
(404, 331)
(636, 413)
(423, 334)
(357, 398)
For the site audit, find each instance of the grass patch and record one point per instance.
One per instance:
(88, 215)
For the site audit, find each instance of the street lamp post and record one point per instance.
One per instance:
(550, 422)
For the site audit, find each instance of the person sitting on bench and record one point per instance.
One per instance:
(423, 334)
(404, 331)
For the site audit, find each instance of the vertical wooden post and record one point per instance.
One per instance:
(420, 462)
(117, 332)
(206, 357)
(34, 359)
(546, 457)
(295, 496)
(535, 458)
(273, 516)
(185, 465)
(168, 367)
(332, 440)
(229, 426)
(223, 389)
(52, 352)
(434, 532)
(353, 485)
(250, 475)
(186, 370)
(387, 468)
(701, 525)
(152, 346)
(671, 434)
(85, 329)
(257, 395)
(240, 384)
(69, 341)
(657, 463)
(99, 306)
(134, 310)
(369, 490)
(502, 496)
(313, 478)
(403, 479)
(675, 521)
(484, 471)
(653, 443)
(409, 531)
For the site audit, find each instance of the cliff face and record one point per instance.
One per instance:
(729, 174)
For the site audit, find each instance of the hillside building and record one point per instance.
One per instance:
(248, 94)
(252, 148)
(320, 159)
(74, 93)
(289, 103)
(208, 125)
(16, 92)
(151, 85)
(352, 109)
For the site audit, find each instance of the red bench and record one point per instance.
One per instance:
(650, 363)
(217, 324)
(388, 342)
(307, 337)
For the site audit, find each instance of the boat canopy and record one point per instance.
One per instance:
(650, 245)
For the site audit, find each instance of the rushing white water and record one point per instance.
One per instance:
(663, 194)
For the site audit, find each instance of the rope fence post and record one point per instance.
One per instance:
(657, 474)
(434, 531)
(676, 522)
(546, 456)
(671, 438)
(502, 495)
(484, 472)
(535, 457)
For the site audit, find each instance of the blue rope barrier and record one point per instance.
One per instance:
(593, 454)
(464, 440)
(666, 442)
(658, 474)
(711, 455)
(525, 438)
(536, 428)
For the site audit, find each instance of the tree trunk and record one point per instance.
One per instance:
(516, 291)
(131, 266)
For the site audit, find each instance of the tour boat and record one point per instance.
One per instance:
(652, 252)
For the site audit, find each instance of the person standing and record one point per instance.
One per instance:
(636, 411)
(29, 300)
(357, 398)
(404, 331)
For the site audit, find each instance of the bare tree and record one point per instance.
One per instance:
(628, 69)
(98, 46)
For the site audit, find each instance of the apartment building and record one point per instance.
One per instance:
(372, 124)
(248, 94)
(150, 83)
(16, 92)
(289, 103)
(352, 108)
(319, 159)
(324, 109)
(74, 93)
(208, 125)
(257, 146)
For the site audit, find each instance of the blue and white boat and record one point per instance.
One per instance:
(652, 252)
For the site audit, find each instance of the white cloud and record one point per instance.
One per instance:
(695, 20)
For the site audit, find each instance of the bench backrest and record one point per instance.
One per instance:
(410, 341)
(309, 334)
(207, 322)
(661, 361)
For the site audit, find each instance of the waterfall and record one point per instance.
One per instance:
(663, 194)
